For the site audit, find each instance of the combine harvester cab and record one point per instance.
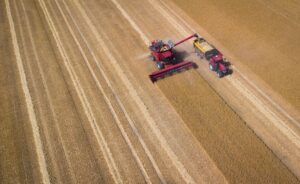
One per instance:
(164, 57)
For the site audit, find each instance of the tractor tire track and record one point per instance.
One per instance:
(86, 106)
(41, 118)
(29, 103)
(124, 134)
(280, 124)
(47, 92)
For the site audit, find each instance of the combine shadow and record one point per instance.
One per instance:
(180, 55)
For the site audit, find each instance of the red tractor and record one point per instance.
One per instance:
(217, 64)
(164, 57)
(215, 58)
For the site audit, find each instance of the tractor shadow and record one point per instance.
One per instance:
(228, 65)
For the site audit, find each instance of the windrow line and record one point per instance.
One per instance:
(83, 99)
(29, 104)
(118, 122)
(37, 59)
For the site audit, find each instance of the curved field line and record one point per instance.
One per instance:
(27, 58)
(30, 109)
(268, 98)
(266, 111)
(37, 58)
(171, 19)
(86, 106)
(180, 167)
(119, 124)
(132, 23)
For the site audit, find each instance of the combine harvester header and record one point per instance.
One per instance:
(164, 57)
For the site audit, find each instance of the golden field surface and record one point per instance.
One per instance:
(262, 34)
(77, 105)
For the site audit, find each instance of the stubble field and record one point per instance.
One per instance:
(77, 105)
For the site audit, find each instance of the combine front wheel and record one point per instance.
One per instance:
(160, 65)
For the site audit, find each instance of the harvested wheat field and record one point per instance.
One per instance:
(77, 105)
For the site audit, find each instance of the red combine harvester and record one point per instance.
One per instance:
(165, 59)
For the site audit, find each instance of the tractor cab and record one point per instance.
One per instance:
(216, 63)
(217, 57)
(211, 53)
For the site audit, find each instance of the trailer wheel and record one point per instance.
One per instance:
(201, 56)
(211, 67)
(196, 51)
(160, 65)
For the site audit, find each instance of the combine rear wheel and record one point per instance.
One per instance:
(153, 58)
(211, 67)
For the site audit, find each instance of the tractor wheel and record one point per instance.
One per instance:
(220, 74)
(211, 67)
(160, 65)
